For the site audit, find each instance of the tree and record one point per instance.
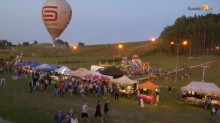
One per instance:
(26, 43)
(35, 42)
(5, 44)
(61, 42)
(202, 33)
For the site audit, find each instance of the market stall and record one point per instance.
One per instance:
(81, 72)
(63, 70)
(198, 92)
(148, 86)
(113, 71)
(125, 85)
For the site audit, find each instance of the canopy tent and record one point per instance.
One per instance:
(63, 70)
(202, 88)
(43, 66)
(31, 64)
(98, 78)
(26, 63)
(81, 72)
(124, 80)
(149, 85)
(113, 71)
(47, 69)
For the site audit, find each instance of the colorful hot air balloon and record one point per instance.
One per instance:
(56, 15)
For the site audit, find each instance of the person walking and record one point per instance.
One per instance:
(106, 110)
(73, 117)
(2, 81)
(116, 92)
(213, 111)
(31, 84)
(84, 112)
(59, 116)
(169, 89)
(98, 111)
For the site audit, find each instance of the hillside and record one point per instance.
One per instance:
(85, 55)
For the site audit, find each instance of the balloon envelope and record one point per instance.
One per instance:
(56, 15)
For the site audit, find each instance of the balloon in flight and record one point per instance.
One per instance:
(56, 15)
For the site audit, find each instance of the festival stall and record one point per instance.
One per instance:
(63, 70)
(125, 85)
(196, 92)
(81, 72)
(149, 86)
(113, 71)
(45, 68)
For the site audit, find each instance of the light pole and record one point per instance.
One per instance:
(120, 46)
(153, 39)
(74, 47)
(177, 56)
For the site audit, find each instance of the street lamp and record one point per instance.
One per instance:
(153, 39)
(120, 46)
(74, 47)
(177, 55)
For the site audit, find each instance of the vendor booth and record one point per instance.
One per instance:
(196, 92)
(63, 70)
(125, 85)
(113, 71)
(81, 72)
(148, 86)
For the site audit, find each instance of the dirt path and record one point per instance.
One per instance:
(4, 121)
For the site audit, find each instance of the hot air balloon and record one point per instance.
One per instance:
(56, 15)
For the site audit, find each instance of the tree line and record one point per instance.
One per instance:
(202, 32)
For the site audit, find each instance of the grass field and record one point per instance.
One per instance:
(20, 106)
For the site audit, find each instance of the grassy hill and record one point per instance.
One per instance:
(91, 54)
(18, 105)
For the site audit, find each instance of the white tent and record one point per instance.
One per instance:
(96, 68)
(43, 66)
(63, 70)
(81, 72)
(124, 80)
(202, 88)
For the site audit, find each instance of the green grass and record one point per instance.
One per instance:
(20, 106)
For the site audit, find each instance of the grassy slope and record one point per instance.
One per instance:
(18, 105)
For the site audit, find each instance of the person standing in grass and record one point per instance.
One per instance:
(2, 82)
(59, 116)
(218, 115)
(106, 110)
(84, 112)
(73, 117)
(116, 92)
(98, 111)
(31, 84)
(213, 111)
(56, 89)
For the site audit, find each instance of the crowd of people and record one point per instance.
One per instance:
(71, 117)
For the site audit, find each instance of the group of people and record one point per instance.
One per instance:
(72, 86)
(39, 81)
(215, 113)
(71, 117)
